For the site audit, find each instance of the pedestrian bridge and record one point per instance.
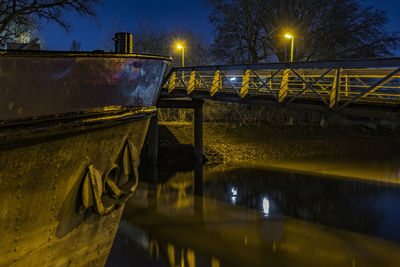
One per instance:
(366, 87)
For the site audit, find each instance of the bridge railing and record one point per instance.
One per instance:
(335, 84)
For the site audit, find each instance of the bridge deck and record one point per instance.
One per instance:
(333, 85)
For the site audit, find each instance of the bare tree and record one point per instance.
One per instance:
(75, 45)
(250, 31)
(148, 39)
(328, 29)
(239, 30)
(20, 17)
(197, 50)
(304, 19)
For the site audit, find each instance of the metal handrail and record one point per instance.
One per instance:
(336, 84)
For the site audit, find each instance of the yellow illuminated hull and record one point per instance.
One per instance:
(42, 171)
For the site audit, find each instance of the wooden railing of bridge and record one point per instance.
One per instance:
(335, 85)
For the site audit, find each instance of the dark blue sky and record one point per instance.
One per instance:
(91, 32)
(166, 14)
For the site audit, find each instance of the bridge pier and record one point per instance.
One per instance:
(198, 131)
(197, 106)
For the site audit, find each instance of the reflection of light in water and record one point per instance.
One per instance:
(215, 262)
(171, 254)
(234, 195)
(265, 206)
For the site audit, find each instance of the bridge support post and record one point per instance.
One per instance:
(198, 130)
(197, 106)
(153, 140)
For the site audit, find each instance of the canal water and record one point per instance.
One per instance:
(241, 216)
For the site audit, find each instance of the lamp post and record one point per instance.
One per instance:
(179, 46)
(289, 36)
(183, 54)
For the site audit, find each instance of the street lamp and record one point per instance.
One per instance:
(289, 36)
(179, 46)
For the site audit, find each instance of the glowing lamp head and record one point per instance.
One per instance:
(289, 36)
(179, 46)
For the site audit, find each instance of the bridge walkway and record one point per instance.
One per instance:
(369, 86)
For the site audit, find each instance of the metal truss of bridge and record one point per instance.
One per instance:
(367, 85)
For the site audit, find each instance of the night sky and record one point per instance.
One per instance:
(191, 14)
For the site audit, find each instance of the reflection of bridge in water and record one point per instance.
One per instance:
(245, 216)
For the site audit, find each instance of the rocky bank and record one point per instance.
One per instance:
(229, 142)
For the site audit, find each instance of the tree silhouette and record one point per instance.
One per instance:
(18, 18)
(250, 31)
(75, 46)
(148, 39)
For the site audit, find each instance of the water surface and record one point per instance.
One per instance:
(253, 216)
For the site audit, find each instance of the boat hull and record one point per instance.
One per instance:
(41, 177)
(72, 125)
(39, 84)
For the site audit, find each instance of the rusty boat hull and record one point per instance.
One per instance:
(69, 151)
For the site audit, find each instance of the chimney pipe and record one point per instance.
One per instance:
(123, 43)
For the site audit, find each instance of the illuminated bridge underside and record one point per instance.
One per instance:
(372, 85)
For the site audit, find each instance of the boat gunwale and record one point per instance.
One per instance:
(77, 54)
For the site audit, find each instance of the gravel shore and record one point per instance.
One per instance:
(228, 142)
